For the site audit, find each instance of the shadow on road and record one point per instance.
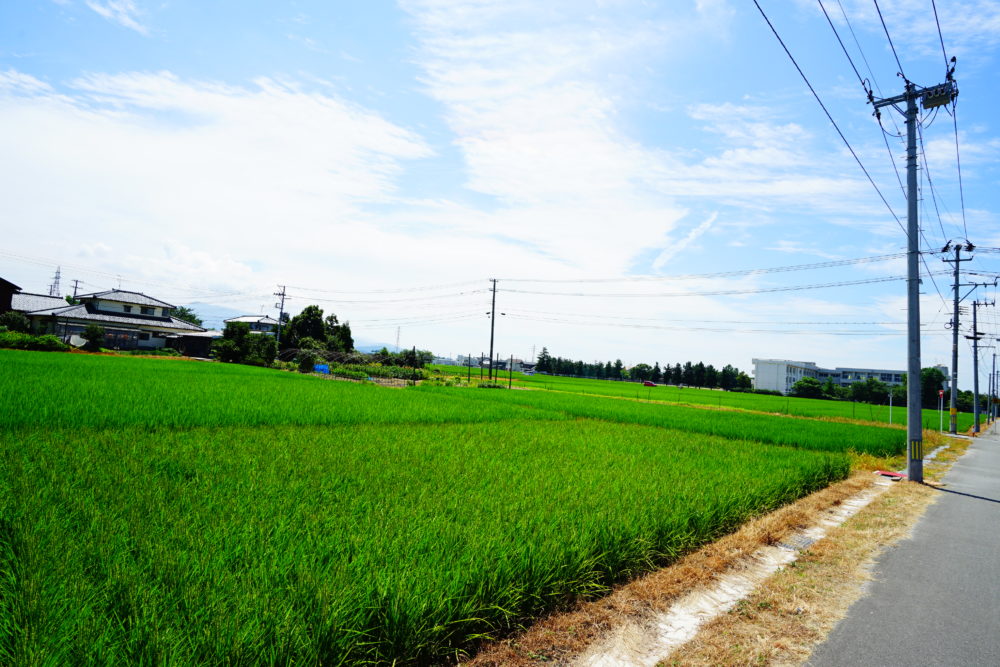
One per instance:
(967, 495)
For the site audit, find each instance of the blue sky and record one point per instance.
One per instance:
(385, 159)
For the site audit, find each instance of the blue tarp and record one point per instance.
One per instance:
(322, 368)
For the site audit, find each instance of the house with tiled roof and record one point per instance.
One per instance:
(131, 320)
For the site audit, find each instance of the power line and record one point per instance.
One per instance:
(940, 36)
(829, 117)
(843, 48)
(426, 288)
(722, 274)
(761, 290)
(958, 163)
(887, 36)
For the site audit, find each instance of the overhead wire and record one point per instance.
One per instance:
(719, 274)
(829, 117)
(889, 37)
(759, 290)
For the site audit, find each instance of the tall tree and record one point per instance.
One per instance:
(544, 363)
(307, 324)
(186, 314)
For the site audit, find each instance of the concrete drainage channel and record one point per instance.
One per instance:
(649, 642)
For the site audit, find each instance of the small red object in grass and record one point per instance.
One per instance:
(889, 473)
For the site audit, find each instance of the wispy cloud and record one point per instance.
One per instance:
(679, 246)
(123, 12)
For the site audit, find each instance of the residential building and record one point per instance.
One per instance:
(258, 323)
(131, 320)
(782, 374)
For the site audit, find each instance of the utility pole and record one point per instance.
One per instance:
(930, 97)
(281, 312)
(76, 286)
(976, 335)
(956, 285)
(493, 319)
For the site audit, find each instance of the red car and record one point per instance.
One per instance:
(647, 383)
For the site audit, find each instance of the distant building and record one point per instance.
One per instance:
(782, 374)
(258, 323)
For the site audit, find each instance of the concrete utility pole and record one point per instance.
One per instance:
(976, 335)
(493, 319)
(953, 390)
(281, 313)
(930, 98)
(76, 286)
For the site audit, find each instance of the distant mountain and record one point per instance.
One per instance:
(369, 346)
(213, 316)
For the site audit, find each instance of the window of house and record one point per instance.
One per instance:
(147, 311)
(127, 309)
(144, 336)
(166, 312)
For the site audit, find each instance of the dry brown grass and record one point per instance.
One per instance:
(786, 617)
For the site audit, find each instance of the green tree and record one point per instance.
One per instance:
(807, 387)
(338, 336)
(711, 376)
(544, 362)
(727, 377)
(931, 381)
(640, 372)
(307, 324)
(94, 335)
(240, 346)
(743, 381)
(15, 321)
(687, 375)
(186, 314)
(235, 345)
(657, 374)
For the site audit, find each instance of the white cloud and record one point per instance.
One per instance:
(123, 12)
(155, 158)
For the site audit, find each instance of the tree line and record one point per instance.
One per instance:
(876, 392)
(692, 374)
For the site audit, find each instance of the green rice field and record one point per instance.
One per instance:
(173, 512)
(787, 405)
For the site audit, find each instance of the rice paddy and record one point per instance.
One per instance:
(161, 511)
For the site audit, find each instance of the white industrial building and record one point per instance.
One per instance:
(782, 374)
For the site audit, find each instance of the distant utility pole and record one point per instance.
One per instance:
(76, 286)
(281, 312)
(956, 286)
(493, 319)
(976, 335)
(930, 98)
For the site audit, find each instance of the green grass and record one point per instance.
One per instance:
(175, 512)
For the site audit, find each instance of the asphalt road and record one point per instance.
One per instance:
(936, 595)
